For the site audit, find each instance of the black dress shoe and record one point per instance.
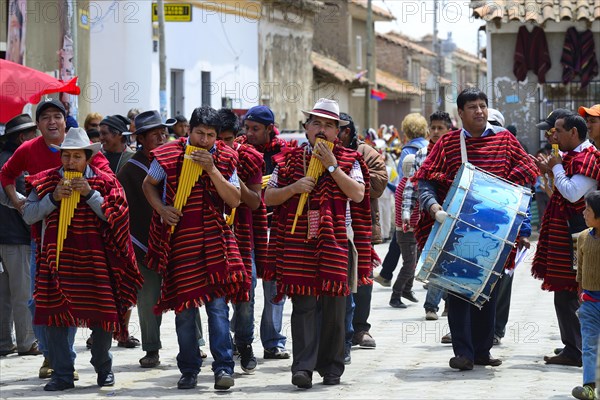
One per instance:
(492, 362)
(397, 303)
(57, 385)
(223, 380)
(461, 363)
(302, 379)
(562, 360)
(331, 379)
(188, 380)
(410, 296)
(106, 379)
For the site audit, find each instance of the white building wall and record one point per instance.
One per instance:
(125, 71)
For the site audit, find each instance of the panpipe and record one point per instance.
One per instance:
(190, 172)
(315, 170)
(67, 210)
(231, 217)
(555, 153)
(265, 180)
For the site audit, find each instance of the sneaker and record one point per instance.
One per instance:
(431, 315)
(347, 356)
(364, 340)
(397, 303)
(410, 296)
(381, 280)
(447, 338)
(248, 361)
(45, 370)
(497, 340)
(585, 392)
(276, 353)
(223, 380)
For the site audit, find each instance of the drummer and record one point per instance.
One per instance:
(497, 151)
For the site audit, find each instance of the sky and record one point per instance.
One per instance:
(415, 19)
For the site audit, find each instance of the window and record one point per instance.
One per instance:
(206, 88)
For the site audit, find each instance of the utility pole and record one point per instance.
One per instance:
(437, 68)
(370, 70)
(162, 60)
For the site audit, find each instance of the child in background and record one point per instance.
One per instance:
(588, 276)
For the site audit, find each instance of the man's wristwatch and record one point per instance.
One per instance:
(332, 168)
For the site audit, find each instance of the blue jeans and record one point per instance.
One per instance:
(589, 318)
(40, 330)
(348, 321)
(242, 320)
(59, 348)
(188, 359)
(434, 296)
(272, 318)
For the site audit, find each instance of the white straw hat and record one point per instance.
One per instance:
(77, 139)
(327, 108)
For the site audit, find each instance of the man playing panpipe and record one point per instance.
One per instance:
(35, 156)
(311, 265)
(199, 260)
(495, 150)
(97, 278)
(576, 173)
(250, 172)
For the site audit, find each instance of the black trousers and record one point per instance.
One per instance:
(503, 294)
(318, 333)
(405, 279)
(566, 304)
(472, 329)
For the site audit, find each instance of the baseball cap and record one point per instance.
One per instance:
(548, 123)
(49, 103)
(260, 114)
(593, 111)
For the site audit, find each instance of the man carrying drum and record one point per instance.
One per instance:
(310, 244)
(496, 151)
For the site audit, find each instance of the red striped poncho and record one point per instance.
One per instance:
(499, 154)
(97, 279)
(200, 261)
(318, 266)
(251, 236)
(553, 262)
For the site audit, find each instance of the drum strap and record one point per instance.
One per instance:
(463, 148)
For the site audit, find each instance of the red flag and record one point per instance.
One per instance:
(20, 85)
(377, 95)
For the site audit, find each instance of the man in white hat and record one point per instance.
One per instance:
(311, 264)
(95, 280)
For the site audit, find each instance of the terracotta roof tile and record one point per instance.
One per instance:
(396, 85)
(405, 41)
(538, 11)
(334, 69)
(376, 10)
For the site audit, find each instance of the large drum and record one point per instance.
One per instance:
(466, 253)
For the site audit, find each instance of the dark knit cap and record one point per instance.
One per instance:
(117, 122)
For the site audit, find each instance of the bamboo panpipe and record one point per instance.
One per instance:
(555, 153)
(315, 170)
(265, 180)
(190, 172)
(231, 217)
(67, 210)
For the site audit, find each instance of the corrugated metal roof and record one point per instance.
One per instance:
(537, 11)
(405, 41)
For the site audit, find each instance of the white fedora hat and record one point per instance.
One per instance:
(77, 139)
(326, 108)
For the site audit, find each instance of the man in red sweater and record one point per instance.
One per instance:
(35, 156)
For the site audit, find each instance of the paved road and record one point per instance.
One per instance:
(409, 361)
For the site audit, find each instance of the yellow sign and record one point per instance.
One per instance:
(174, 12)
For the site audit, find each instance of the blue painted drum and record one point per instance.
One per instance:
(466, 252)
